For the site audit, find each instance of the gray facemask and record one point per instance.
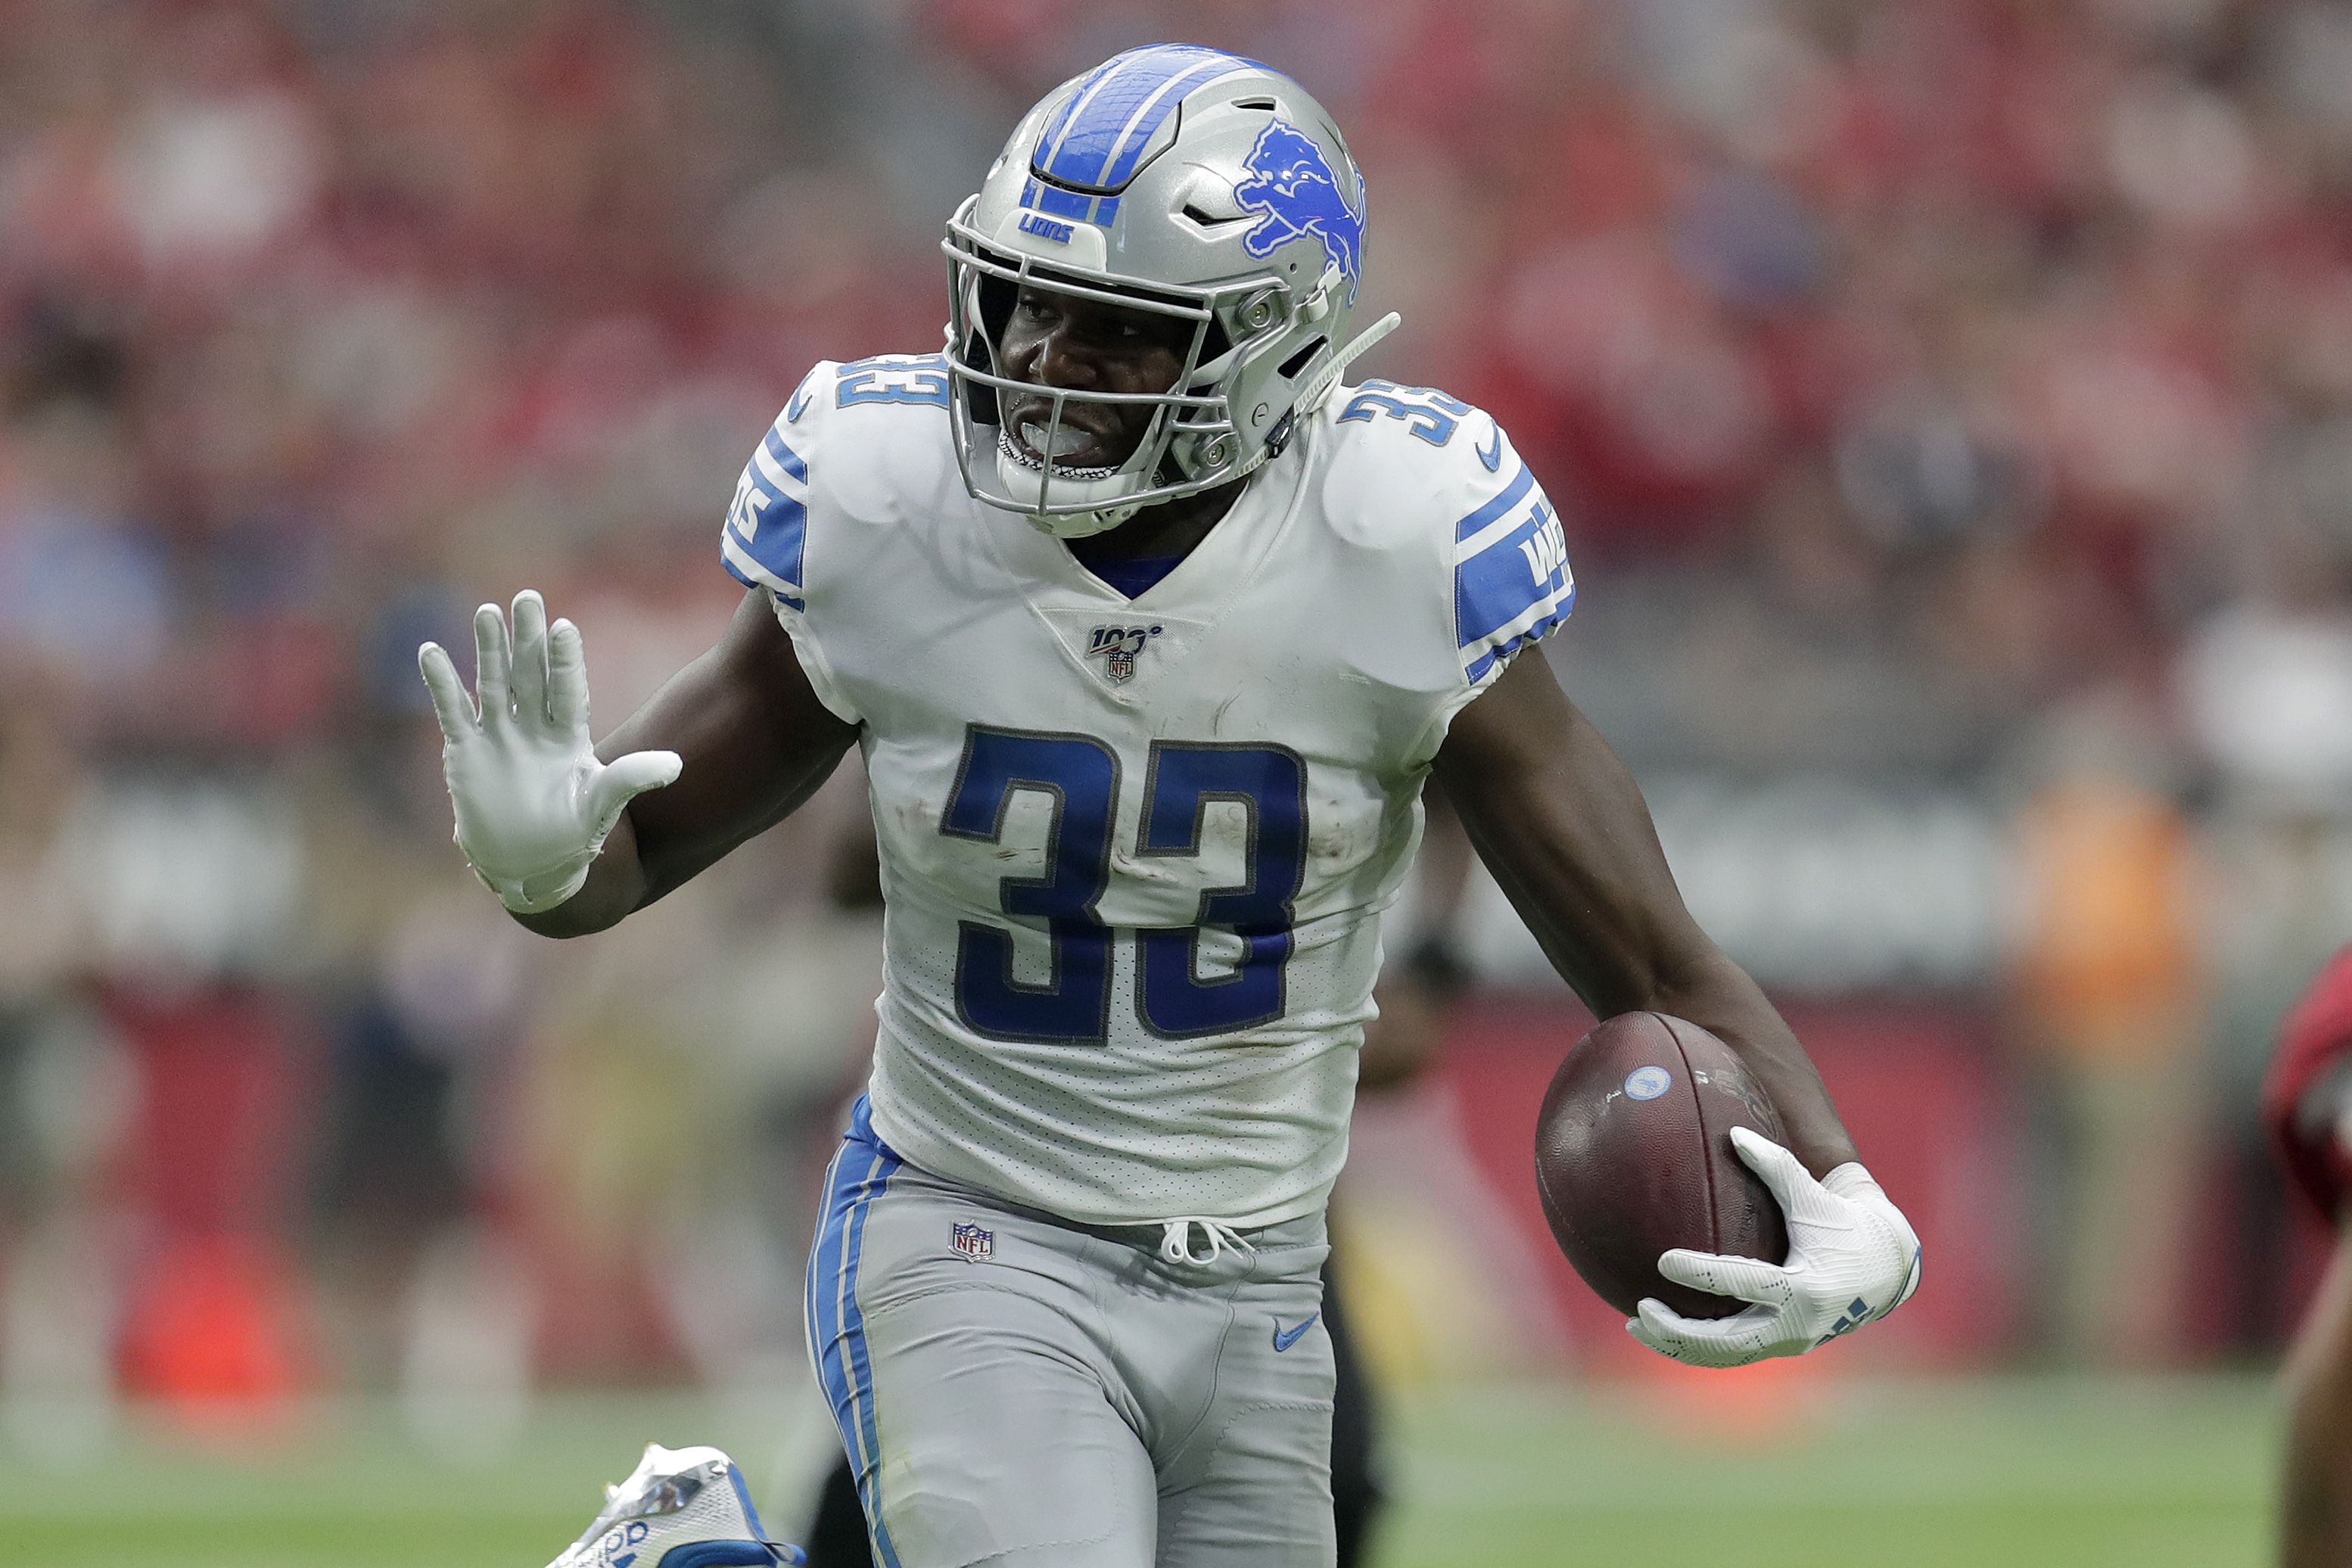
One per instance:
(1177, 180)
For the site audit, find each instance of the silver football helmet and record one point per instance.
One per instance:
(1173, 179)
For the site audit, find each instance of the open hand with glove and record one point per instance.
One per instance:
(534, 804)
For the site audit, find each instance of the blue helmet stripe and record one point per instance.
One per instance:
(1115, 114)
(1060, 202)
(1043, 158)
(1038, 197)
(1132, 102)
(1053, 132)
(1145, 122)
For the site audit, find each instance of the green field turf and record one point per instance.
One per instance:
(2016, 1474)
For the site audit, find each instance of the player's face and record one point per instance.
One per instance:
(1085, 345)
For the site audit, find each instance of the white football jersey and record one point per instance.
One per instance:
(1135, 852)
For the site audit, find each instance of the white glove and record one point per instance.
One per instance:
(1851, 1256)
(534, 806)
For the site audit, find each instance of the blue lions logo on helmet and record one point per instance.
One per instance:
(1293, 190)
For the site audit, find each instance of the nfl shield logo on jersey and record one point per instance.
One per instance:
(1118, 647)
(972, 1242)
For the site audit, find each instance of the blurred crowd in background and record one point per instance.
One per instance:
(1950, 402)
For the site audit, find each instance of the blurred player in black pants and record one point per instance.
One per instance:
(1397, 1045)
(2307, 1103)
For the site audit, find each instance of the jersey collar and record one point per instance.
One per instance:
(1079, 607)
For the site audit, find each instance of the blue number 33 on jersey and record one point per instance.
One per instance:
(1080, 775)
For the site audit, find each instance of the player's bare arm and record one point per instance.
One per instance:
(740, 731)
(1562, 825)
(755, 743)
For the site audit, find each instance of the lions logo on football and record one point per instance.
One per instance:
(1647, 1083)
(1293, 190)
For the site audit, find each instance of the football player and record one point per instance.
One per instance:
(1399, 1044)
(1149, 631)
(2308, 1103)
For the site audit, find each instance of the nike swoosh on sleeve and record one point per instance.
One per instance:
(1493, 457)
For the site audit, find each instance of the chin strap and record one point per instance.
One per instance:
(1317, 390)
(1329, 376)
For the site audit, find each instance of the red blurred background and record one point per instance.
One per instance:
(1951, 406)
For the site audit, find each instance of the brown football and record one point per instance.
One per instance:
(1633, 1156)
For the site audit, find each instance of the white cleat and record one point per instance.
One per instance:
(680, 1507)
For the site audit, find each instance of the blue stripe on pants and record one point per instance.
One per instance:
(836, 1328)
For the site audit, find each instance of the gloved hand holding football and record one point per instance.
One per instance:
(1660, 1167)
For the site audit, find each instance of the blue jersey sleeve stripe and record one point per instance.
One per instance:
(1502, 582)
(1488, 657)
(784, 457)
(1526, 612)
(1512, 494)
(772, 529)
(745, 568)
(763, 541)
(773, 478)
(1512, 584)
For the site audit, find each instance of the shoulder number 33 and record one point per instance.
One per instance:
(1079, 775)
